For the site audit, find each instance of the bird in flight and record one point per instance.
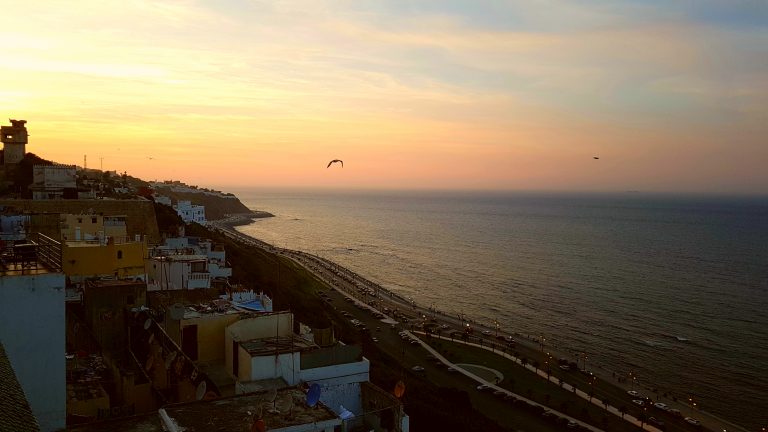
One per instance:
(336, 160)
(595, 157)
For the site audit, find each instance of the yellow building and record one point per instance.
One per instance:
(93, 227)
(123, 260)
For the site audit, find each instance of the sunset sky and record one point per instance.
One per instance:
(672, 96)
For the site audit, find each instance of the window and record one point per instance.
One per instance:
(119, 254)
(93, 220)
(79, 220)
(129, 300)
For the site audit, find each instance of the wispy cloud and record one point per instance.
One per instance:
(480, 84)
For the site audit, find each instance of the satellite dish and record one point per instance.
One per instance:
(313, 395)
(200, 392)
(177, 311)
(147, 323)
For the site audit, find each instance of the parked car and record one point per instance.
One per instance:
(417, 368)
(483, 387)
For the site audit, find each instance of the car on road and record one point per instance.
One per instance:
(661, 406)
(565, 367)
(414, 342)
(500, 393)
(633, 393)
(483, 387)
(656, 422)
(571, 424)
(417, 368)
(692, 421)
(487, 332)
(451, 369)
(638, 402)
(375, 339)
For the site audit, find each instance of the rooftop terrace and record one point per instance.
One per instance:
(268, 346)
(38, 254)
(237, 413)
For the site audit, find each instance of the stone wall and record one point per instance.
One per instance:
(140, 213)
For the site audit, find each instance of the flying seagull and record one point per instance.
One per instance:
(336, 160)
(595, 157)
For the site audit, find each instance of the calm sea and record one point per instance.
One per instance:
(673, 288)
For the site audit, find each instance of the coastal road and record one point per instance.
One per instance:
(367, 292)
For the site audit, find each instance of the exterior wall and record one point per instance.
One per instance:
(54, 176)
(260, 327)
(348, 395)
(174, 273)
(13, 227)
(249, 329)
(13, 153)
(49, 181)
(340, 384)
(190, 212)
(285, 366)
(14, 138)
(32, 331)
(90, 227)
(210, 335)
(105, 305)
(125, 260)
(245, 369)
(115, 227)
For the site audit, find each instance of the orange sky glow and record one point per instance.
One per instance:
(434, 95)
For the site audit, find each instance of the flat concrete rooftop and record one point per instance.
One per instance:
(282, 344)
(237, 413)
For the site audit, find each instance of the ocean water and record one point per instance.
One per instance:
(673, 288)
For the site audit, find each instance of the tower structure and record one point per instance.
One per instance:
(14, 138)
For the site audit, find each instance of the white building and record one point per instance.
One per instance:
(51, 181)
(217, 259)
(176, 272)
(264, 348)
(32, 323)
(190, 212)
(162, 199)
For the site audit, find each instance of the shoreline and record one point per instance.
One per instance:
(367, 290)
(239, 219)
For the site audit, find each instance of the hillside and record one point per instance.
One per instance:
(217, 205)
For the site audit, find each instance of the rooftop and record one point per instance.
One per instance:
(140, 423)
(271, 345)
(36, 255)
(237, 413)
